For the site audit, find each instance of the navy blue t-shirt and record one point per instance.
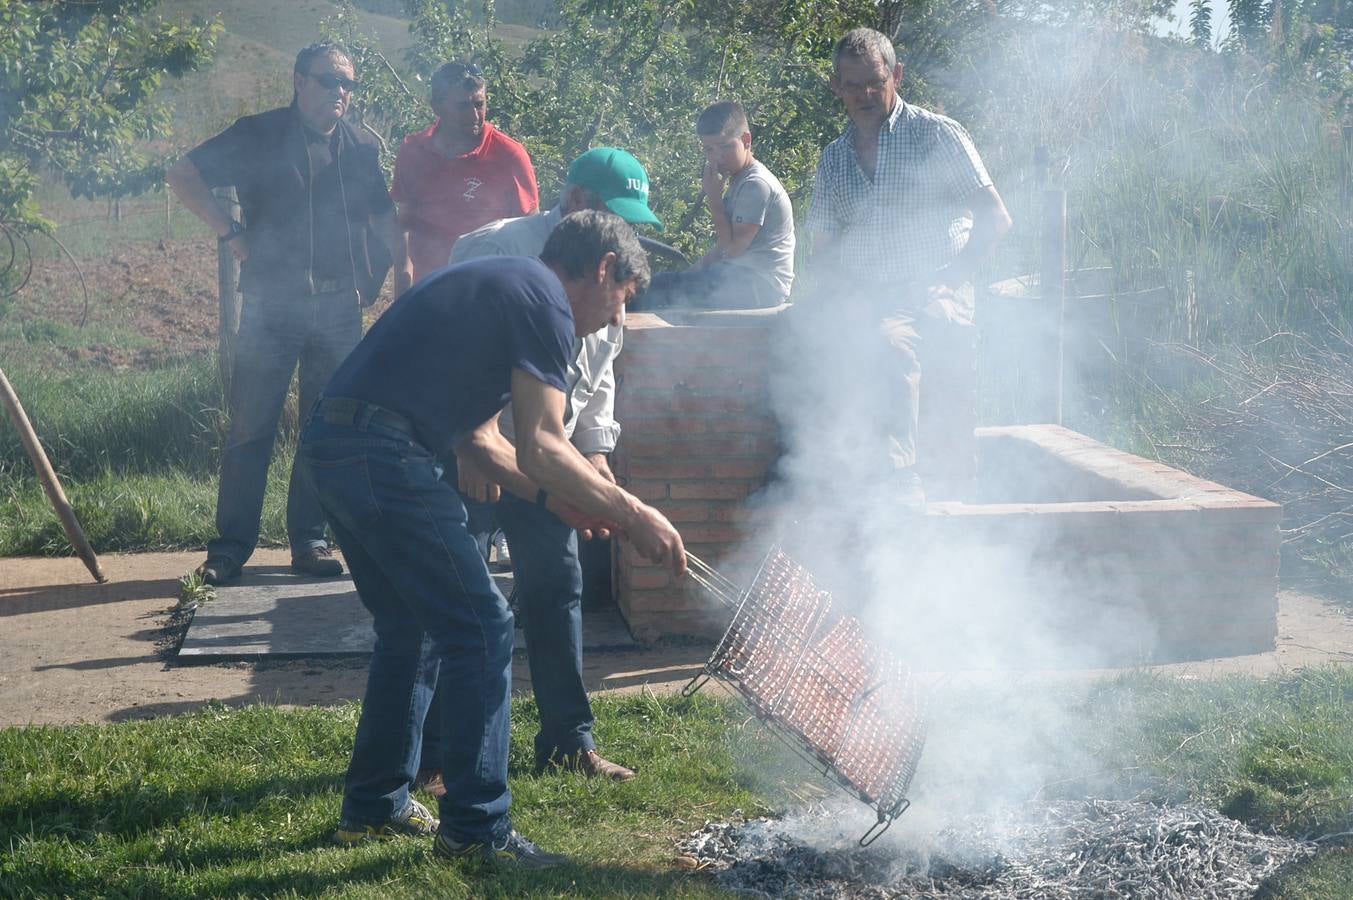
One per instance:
(443, 354)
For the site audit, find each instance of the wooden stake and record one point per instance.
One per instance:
(29, 438)
(1052, 283)
(227, 287)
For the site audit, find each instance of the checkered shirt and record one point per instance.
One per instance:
(912, 218)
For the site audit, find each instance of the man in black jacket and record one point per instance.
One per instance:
(311, 190)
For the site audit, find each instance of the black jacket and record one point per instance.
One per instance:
(302, 229)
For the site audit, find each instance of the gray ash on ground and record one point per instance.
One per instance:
(1071, 849)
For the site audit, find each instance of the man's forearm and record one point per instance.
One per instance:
(186, 182)
(557, 466)
(819, 260)
(495, 456)
(723, 228)
(394, 237)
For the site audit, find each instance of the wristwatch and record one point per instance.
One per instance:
(236, 229)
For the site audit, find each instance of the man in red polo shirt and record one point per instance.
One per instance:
(460, 172)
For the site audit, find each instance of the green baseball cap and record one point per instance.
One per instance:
(618, 178)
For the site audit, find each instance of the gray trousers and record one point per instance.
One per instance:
(277, 333)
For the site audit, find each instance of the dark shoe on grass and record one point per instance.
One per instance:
(513, 848)
(218, 570)
(317, 561)
(430, 780)
(414, 821)
(589, 763)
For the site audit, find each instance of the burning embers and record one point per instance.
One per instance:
(1072, 850)
(845, 703)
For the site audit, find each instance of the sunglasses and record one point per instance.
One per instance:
(469, 69)
(329, 82)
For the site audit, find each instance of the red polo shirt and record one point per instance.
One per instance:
(440, 199)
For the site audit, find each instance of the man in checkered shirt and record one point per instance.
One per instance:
(902, 213)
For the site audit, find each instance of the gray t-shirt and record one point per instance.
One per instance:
(755, 195)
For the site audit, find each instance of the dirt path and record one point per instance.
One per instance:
(75, 651)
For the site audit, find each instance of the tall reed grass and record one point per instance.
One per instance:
(1200, 171)
(137, 453)
(94, 421)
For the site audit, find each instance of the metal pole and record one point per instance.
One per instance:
(227, 286)
(1346, 181)
(1042, 165)
(1052, 284)
(50, 483)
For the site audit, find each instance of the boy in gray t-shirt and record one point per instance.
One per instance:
(751, 264)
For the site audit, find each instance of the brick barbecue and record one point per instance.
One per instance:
(1194, 560)
(698, 440)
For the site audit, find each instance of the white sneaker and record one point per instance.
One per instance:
(498, 551)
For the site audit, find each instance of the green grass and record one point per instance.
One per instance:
(24, 336)
(1327, 877)
(224, 802)
(132, 512)
(1277, 754)
(137, 455)
(241, 801)
(93, 421)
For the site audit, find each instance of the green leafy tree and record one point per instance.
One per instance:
(78, 85)
(1200, 23)
(633, 74)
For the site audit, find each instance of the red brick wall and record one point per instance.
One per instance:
(697, 440)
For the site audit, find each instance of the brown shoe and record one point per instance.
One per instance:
(317, 561)
(430, 780)
(591, 764)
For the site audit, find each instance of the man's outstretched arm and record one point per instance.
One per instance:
(546, 456)
(192, 191)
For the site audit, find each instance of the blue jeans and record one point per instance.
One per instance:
(483, 521)
(549, 584)
(437, 615)
(276, 332)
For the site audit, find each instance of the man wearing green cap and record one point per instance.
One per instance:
(546, 573)
(603, 178)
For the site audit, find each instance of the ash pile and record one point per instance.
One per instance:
(1071, 849)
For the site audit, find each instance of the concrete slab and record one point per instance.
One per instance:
(271, 613)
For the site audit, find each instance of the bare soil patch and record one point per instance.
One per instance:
(162, 291)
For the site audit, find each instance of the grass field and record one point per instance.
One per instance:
(241, 802)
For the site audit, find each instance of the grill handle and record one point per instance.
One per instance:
(718, 586)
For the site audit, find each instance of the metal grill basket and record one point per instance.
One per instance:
(837, 699)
